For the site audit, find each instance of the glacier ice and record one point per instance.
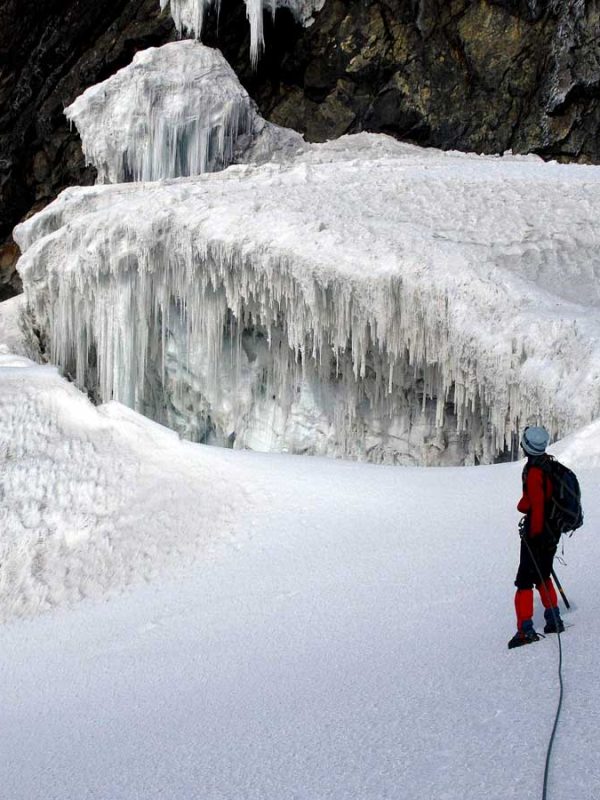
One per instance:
(188, 16)
(362, 297)
(176, 110)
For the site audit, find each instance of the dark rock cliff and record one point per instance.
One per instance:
(480, 75)
(483, 75)
(49, 53)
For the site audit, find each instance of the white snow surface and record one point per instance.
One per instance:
(188, 16)
(363, 297)
(15, 333)
(176, 110)
(94, 498)
(341, 632)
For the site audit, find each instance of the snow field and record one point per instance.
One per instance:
(352, 646)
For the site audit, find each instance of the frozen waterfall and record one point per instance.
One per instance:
(177, 110)
(188, 16)
(361, 297)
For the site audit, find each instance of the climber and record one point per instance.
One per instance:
(538, 543)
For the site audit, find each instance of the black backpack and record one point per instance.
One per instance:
(563, 509)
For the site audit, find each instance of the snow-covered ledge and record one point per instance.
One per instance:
(188, 16)
(366, 298)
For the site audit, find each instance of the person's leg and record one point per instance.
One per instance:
(548, 596)
(548, 593)
(525, 580)
(524, 601)
(524, 608)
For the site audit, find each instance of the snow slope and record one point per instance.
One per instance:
(80, 513)
(15, 333)
(363, 297)
(344, 636)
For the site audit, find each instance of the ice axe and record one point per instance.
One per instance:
(560, 589)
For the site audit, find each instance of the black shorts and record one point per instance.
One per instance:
(543, 550)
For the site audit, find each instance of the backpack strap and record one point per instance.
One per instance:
(546, 464)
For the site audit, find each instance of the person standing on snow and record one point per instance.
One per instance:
(538, 543)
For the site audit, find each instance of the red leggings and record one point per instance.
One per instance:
(524, 601)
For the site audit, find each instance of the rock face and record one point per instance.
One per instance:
(49, 53)
(476, 75)
(483, 75)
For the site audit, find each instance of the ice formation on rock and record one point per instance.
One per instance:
(16, 330)
(177, 110)
(188, 16)
(367, 298)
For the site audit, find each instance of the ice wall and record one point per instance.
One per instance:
(177, 110)
(366, 298)
(188, 16)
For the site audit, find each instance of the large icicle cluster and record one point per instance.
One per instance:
(366, 298)
(177, 110)
(188, 16)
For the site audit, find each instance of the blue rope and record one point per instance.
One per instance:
(560, 699)
(560, 680)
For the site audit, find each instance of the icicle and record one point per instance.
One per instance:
(188, 16)
(212, 305)
(177, 110)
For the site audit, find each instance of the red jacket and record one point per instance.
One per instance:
(537, 488)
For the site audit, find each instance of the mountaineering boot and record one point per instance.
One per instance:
(526, 635)
(554, 623)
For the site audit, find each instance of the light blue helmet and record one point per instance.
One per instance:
(535, 440)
